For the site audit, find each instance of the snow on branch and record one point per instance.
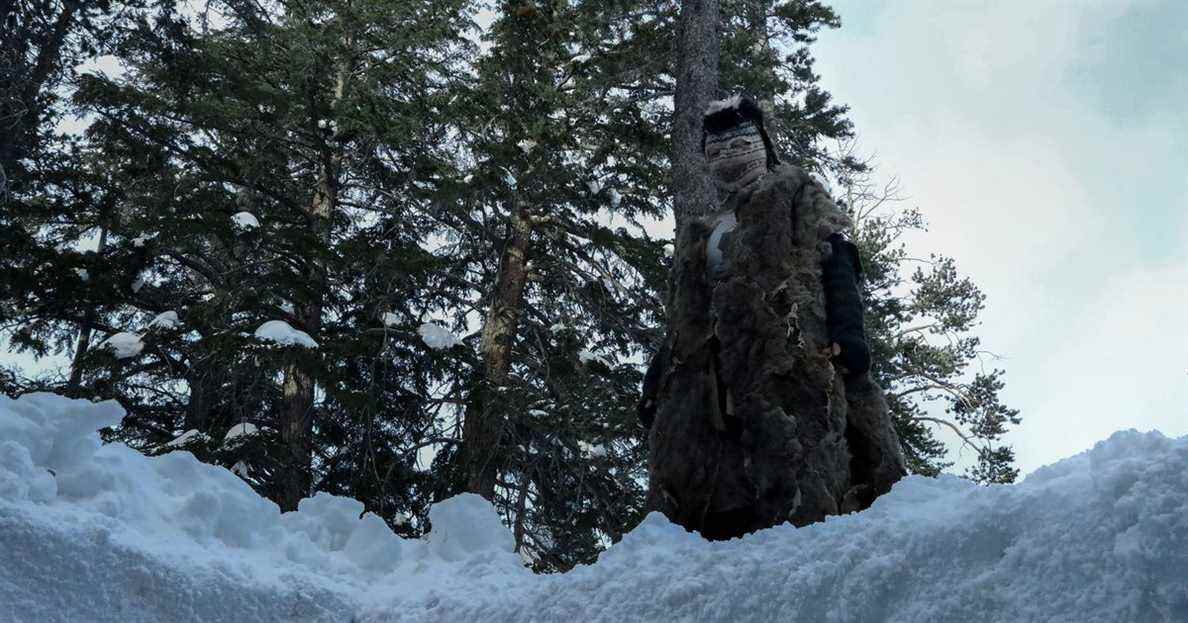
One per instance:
(280, 332)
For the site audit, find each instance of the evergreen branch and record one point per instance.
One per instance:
(957, 430)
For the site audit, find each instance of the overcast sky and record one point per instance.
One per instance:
(1047, 143)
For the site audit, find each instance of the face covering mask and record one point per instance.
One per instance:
(737, 157)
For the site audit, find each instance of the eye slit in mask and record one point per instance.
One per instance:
(743, 141)
(739, 137)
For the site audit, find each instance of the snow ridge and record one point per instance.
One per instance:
(103, 533)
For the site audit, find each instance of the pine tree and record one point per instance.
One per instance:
(766, 53)
(40, 43)
(920, 325)
(44, 209)
(572, 299)
(262, 170)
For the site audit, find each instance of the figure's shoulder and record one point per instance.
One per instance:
(789, 170)
(781, 184)
(814, 204)
(791, 186)
(787, 176)
(791, 180)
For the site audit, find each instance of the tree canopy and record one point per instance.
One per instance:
(398, 249)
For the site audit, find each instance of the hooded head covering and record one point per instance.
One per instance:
(736, 143)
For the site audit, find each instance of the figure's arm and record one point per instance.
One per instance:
(651, 386)
(824, 223)
(840, 272)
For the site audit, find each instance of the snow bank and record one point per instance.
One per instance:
(103, 533)
(42, 435)
(465, 524)
(1102, 536)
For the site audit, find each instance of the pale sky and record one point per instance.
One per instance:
(1047, 144)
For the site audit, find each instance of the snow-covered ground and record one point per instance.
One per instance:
(103, 533)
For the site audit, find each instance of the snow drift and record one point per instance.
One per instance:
(102, 533)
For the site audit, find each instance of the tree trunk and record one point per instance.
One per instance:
(484, 425)
(23, 130)
(697, 55)
(203, 383)
(521, 505)
(757, 12)
(524, 74)
(84, 332)
(296, 430)
(297, 389)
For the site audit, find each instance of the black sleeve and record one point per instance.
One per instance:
(843, 304)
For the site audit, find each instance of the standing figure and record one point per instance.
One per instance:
(759, 402)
